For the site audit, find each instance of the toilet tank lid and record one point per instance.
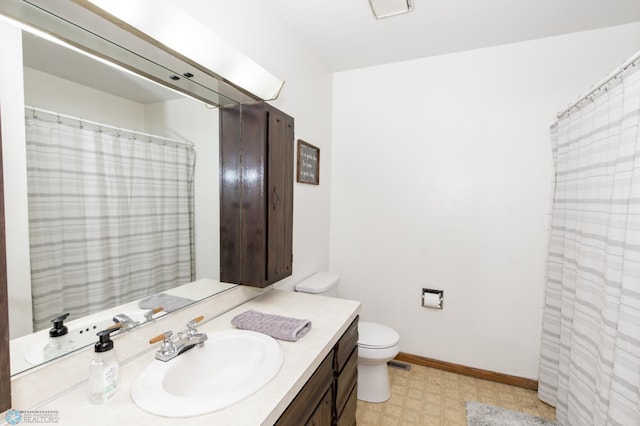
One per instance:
(318, 283)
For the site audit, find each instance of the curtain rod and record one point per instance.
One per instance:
(82, 121)
(631, 62)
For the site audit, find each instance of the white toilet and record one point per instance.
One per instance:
(377, 343)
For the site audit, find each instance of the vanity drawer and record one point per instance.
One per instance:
(310, 395)
(345, 345)
(346, 381)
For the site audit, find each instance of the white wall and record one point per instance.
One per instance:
(253, 27)
(56, 94)
(441, 179)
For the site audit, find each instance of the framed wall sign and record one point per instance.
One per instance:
(308, 163)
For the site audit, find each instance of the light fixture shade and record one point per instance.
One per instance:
(166, 23)
(387, 8)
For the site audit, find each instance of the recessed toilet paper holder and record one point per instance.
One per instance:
(432, 298)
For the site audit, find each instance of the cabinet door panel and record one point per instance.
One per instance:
(303, 406)
(348, 416)
(256, 194)
(346, 381)
(254, 231)
(230, 195)
(346, 344)
(280, 205)
(287, 256)
(322, 415)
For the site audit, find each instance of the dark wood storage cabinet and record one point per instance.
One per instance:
(256, 194)
(329, 397)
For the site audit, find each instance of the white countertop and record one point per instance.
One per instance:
(23, 348)
(330, 318)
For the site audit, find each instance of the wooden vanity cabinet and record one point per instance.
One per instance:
(346, 377)
(330, 396)
(322, 414)
(310, 402)
(256, 194)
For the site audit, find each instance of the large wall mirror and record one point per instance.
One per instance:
(65, 86)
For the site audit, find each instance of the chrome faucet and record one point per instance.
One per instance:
(125, 321)
(193, 335)
(168, 350)
(186, 340)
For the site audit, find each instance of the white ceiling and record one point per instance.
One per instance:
(345, 34)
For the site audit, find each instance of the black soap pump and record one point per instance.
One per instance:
(59, 341)
(103, 370)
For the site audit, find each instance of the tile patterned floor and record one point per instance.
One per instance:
(426, 396)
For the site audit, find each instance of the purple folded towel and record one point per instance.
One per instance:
(168, 302)
(283, 328)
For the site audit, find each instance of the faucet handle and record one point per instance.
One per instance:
(166, 337)
(191, 325)
(115, 326)
(168, 349)
(148, 315)
(195, 321)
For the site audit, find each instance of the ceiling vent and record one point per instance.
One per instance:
(387, 8)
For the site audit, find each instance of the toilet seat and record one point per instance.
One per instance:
(372, 335)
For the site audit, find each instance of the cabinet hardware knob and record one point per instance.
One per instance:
(274, 197)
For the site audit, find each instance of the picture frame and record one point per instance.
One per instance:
(308, 163)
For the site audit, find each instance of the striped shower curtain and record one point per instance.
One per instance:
(110, 217)
(590, 354)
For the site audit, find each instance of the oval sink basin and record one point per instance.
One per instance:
(231, 366)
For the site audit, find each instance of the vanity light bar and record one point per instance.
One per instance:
(165, 24)
(59, 42)
(77, 23)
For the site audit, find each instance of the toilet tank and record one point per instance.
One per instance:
(323, 283)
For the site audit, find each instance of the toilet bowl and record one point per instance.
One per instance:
(377, 343)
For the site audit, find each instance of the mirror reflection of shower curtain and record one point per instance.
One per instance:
(110, 217)
(590, 350)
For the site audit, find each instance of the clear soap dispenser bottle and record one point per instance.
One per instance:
(59, 341)
(103, 371)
